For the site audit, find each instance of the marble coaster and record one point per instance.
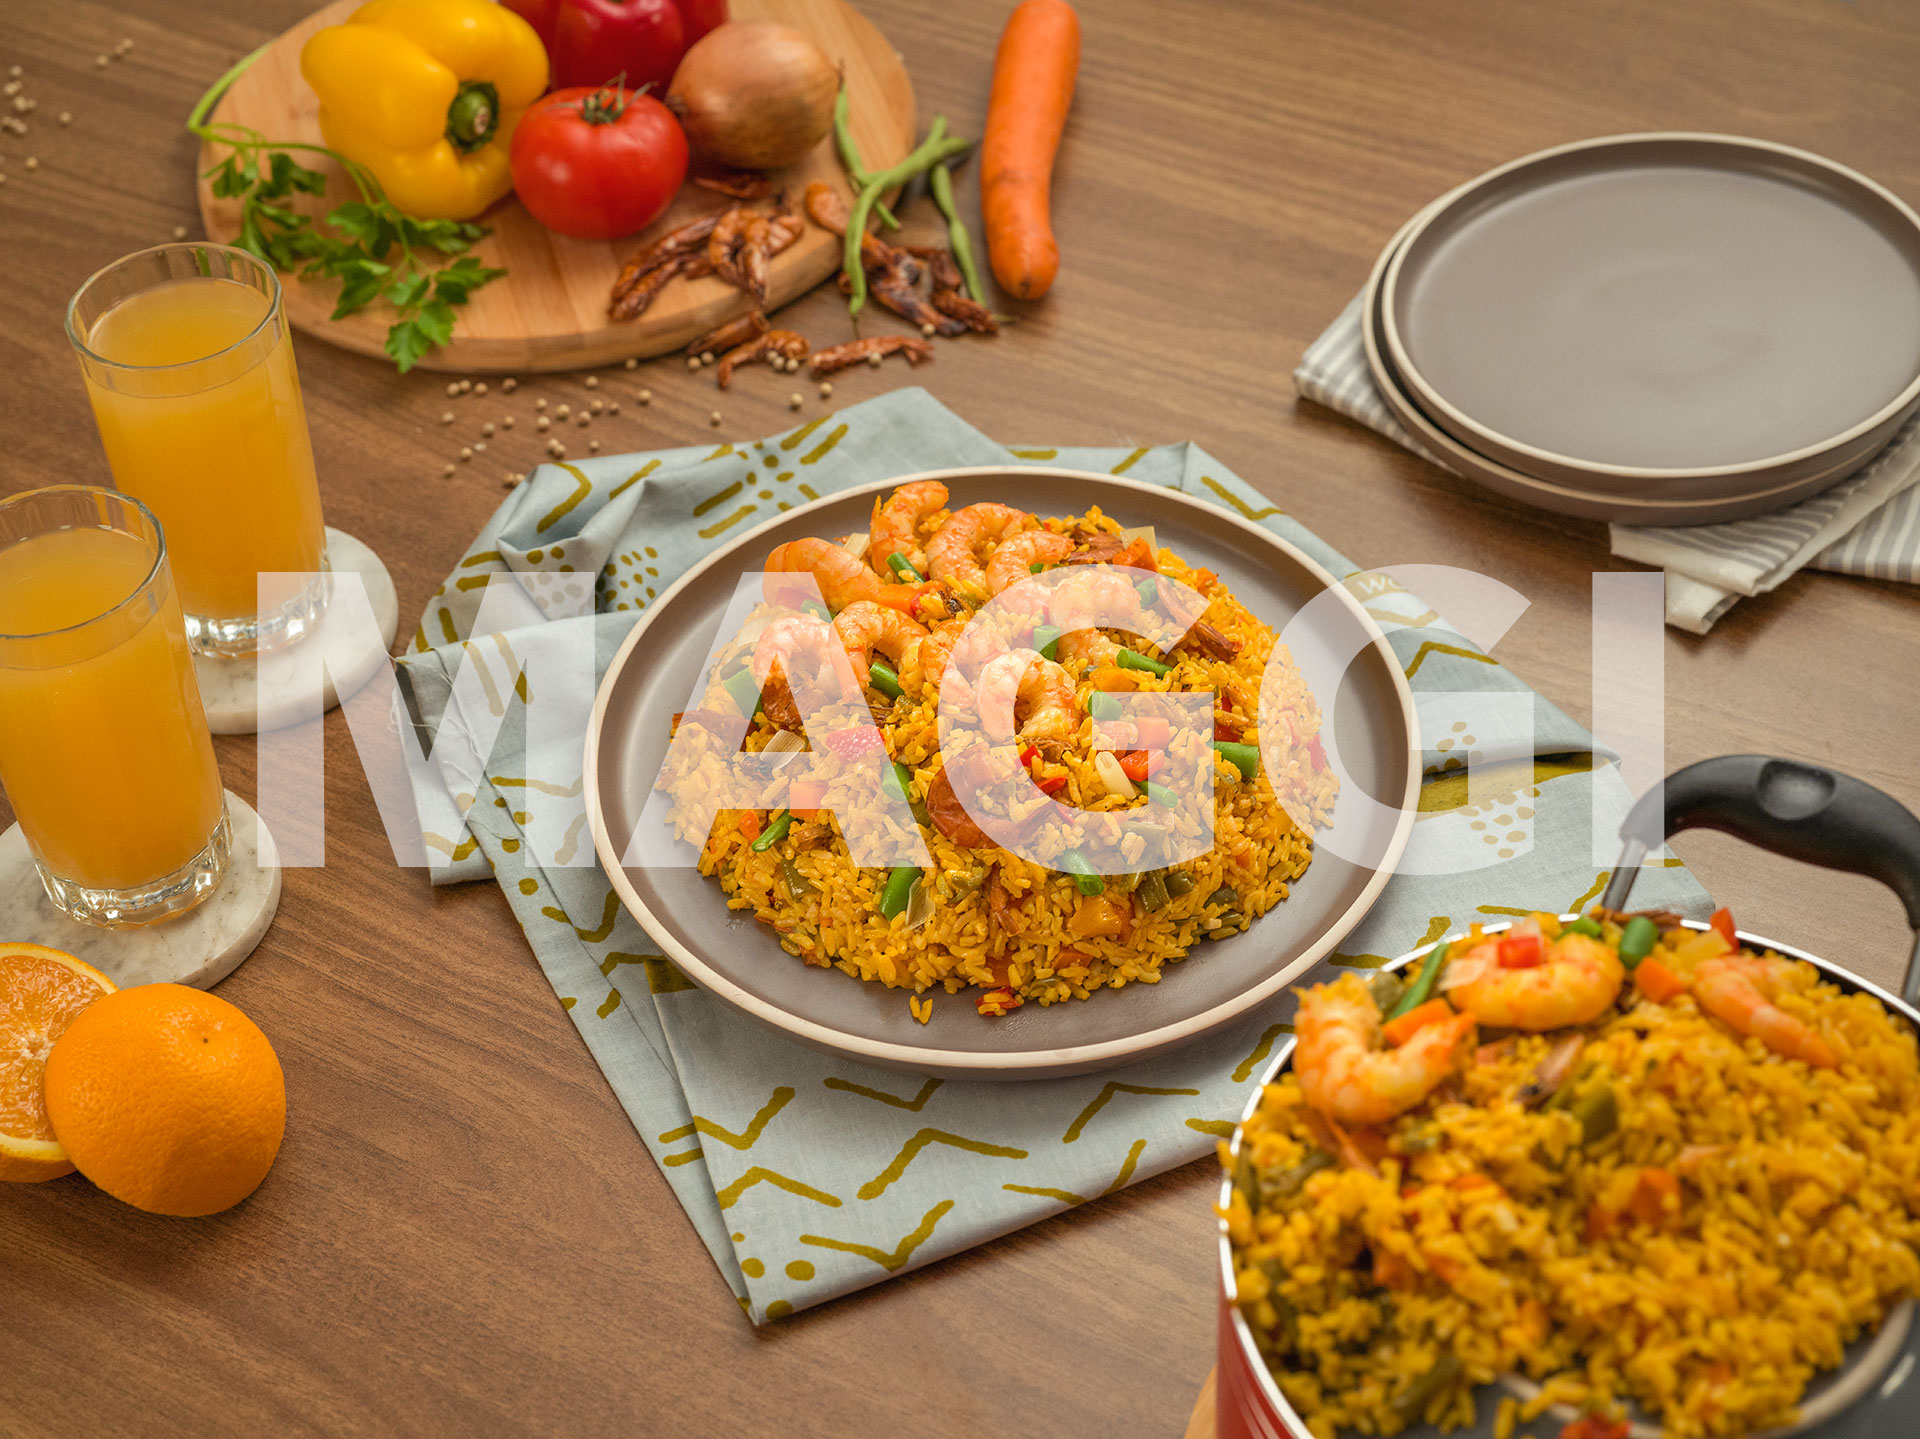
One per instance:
(200, 948)
(262, 692)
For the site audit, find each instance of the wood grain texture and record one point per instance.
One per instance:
(463, 1234)
(550, 311)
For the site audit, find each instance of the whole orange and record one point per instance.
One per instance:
(168, 1098)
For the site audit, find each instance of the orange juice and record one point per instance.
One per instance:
(104, 752)
(199, 408)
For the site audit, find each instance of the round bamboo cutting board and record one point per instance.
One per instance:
(549, 312)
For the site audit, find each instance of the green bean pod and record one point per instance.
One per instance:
(1133, 660)
(849, 150)
(1243, 757)
(935, 148)
(1637, 942)
(745, 690)
(1080, 868)
(899, 889)
(1422, 989)
(940, 186)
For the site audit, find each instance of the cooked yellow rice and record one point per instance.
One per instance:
(1262, 841)
(1795, 1231)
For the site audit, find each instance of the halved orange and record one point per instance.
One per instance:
(41, 992)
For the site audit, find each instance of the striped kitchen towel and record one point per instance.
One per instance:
(1868, 524)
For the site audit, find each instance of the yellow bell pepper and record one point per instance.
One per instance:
(426, 95)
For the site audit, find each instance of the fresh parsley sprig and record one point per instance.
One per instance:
(368, 245)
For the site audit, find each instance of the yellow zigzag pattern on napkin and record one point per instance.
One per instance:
(1112, 1088)
(1067, 1196)
(1260, 1052)
(1435, 647)
(592, 936)
(910, 1151)
(760, 1175)
(747, 1137)
(1436, 927)
(1219, 1128)
(559, 512)
(895, 1260)
(1239, 504)
(1591, 892)
(912, 1106)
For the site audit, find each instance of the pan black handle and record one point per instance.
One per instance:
(1792, 809)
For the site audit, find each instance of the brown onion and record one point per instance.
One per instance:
(754, 94)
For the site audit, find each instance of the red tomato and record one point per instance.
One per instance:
(590, 42)
(598, 164)
(1521, 951)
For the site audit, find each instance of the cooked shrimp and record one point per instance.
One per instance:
(1738, 990)
(864, 627)
(1020, 690)
(954, 553)
(843, 580)
(1096, 595)
(1014, 559)
(1344, 1070)
(1085, 649)
(896, 522)
(936, 650)
(1580, 978)
(794, 642)
(1103, 595)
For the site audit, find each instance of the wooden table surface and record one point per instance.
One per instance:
(463, 1233)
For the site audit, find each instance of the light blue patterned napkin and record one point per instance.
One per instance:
(809, 1177)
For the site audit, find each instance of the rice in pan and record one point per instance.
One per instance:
(1630, 1161)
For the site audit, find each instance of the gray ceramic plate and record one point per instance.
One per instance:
(1870, 1396)
(1664, 305)
(1370, 723)
(1616, 499)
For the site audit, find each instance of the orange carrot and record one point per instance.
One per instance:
(1657, 982)
(1033, 75)
(1650, 1194)
(1153, 732)
(1399, 1031)
(804, 797)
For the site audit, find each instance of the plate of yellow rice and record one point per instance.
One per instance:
(977, 960)
(1581, 1177)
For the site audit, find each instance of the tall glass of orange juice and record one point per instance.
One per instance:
(189, 364)
(104, 750)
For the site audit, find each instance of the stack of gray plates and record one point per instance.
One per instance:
(1663, 329)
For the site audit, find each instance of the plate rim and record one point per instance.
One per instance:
(1903, 401)
(1046, 1062)
(1553, 496)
